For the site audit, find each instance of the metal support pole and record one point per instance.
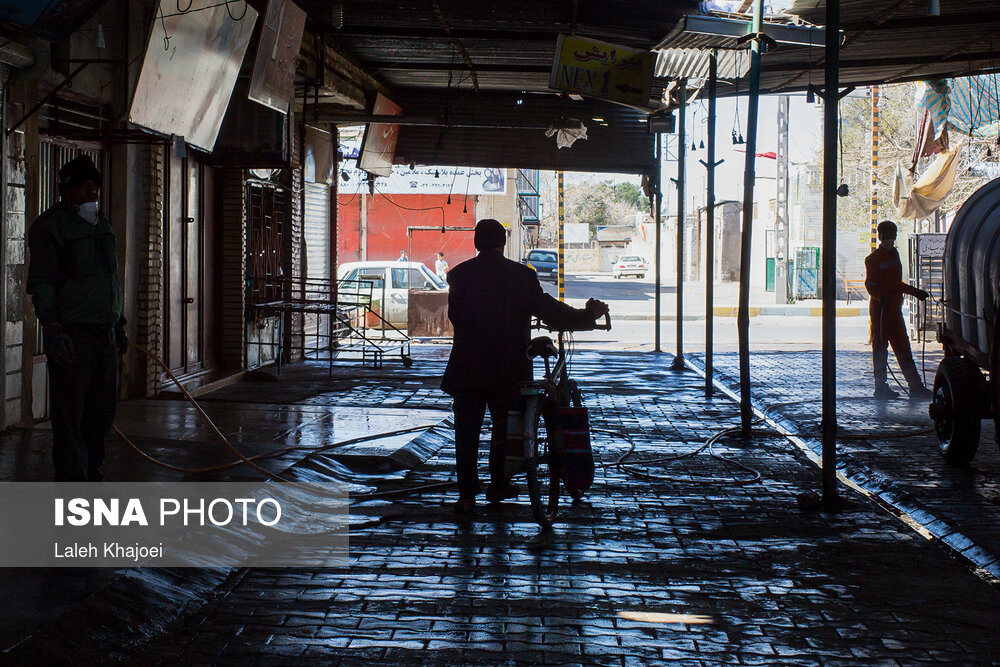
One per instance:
(743, 316)
(334, 212)
(710, 165)
(562, 257)
(678, 364)
(782, 276)
(831, 104)
(658, 199)
(873, 206)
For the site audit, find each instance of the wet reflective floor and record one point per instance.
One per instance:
(668, 559)
(889, 446)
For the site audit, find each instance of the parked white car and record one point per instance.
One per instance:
(390, 284)
(629, 265)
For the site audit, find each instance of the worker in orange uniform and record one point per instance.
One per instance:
(884, 282)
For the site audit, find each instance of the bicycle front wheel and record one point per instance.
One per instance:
(540, 463)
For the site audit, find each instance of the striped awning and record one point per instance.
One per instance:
(968, 105)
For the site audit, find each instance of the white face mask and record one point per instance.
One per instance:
(88, 211)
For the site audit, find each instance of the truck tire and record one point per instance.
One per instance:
(959, 388)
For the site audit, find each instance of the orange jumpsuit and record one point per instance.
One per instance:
(884, 282)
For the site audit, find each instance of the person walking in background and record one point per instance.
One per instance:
(441, 266)
(402, 256)
(490, 305)
(884, 282)
(74, 287)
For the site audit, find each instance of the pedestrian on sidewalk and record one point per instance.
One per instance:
(441, 266)
(74, 286)
(490, 305)
(402, 256)
(884, 282)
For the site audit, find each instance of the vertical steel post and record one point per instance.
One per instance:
(562, 260)
(831, 104)
(782, 282)
(334, 209)
(678, 364)
(743, 316)
(658, 199)
(710, 165)
(874, 193)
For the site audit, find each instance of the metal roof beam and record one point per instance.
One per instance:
(387, 66)
(943, 21)
(439, 34)
(341, 118)
(617, 36)
(898, 61)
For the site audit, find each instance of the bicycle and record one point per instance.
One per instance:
(537, 425)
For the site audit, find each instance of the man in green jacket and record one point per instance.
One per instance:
(74, 286)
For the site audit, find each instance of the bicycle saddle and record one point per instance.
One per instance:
(542, 346)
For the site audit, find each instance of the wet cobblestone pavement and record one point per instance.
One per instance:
(683, 565)
(960, 505)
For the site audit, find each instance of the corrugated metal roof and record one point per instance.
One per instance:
(888, 41)
(693, 64)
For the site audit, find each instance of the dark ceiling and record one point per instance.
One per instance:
(447, 55)
(510, 45)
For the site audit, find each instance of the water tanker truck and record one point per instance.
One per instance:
(967, 382)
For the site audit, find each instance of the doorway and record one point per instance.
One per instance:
(190, 272)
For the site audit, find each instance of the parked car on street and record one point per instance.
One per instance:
(629, 265)
(390, 283)
(545, 262)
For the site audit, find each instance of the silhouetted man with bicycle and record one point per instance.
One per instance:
(491, 303)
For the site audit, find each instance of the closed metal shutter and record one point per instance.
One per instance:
(317, 233)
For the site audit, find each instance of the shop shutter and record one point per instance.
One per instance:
(317, 234)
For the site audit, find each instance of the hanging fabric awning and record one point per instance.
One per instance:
(968, 105)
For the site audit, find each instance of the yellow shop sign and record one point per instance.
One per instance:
(598, 69)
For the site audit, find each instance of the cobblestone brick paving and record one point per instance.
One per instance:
(967, 499)
(750, 578)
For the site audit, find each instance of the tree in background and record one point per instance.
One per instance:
(607, 203)
(897, 125)
(598, 204)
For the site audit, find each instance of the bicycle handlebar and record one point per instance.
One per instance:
(538, 324)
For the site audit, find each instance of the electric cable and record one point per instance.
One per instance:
(409, 208)
(224, 3)
(353, 197)
(270, 455)
(215, 429)
(709, 444)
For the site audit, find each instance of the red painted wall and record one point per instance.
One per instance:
(389, 216)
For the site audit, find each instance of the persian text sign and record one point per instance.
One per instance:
(431, 180)
(599, 69)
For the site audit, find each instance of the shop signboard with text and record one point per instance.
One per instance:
(598, 69)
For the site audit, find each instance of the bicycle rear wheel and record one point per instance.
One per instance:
(540, 464)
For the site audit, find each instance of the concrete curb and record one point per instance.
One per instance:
(878, 488)
(754, 311)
